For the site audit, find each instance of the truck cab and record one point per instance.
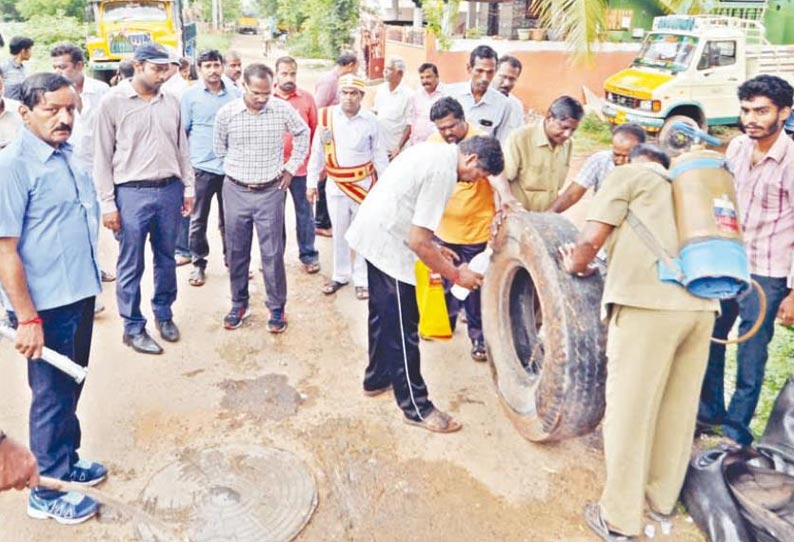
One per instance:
(123, 25)
(688, 69)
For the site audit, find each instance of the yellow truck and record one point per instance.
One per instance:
(688, 69)
(123, 25)
(247, 25)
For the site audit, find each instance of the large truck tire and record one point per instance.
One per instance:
(543, 331)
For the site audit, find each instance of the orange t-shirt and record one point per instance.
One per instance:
(469, 211)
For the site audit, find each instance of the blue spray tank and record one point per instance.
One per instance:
(712, 262)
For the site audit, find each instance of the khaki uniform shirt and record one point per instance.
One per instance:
(632, 276)
(535, 170)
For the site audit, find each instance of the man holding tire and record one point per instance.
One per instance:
(657, 346)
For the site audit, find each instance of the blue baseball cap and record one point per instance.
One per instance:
(154, 53)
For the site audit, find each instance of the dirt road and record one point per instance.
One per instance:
(379, 480)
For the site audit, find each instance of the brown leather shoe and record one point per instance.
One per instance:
(437, 422)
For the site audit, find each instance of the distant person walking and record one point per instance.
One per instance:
(146, 183)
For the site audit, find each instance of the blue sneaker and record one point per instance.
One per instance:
(87, 473)
(277, 322)
(69, 508)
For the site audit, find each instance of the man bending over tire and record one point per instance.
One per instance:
(657, 347)
(393, 228)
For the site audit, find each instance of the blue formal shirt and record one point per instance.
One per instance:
(199, 106)
(51, 206)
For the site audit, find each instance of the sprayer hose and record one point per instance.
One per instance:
(758, 321)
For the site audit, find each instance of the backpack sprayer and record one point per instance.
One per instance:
(712, 262)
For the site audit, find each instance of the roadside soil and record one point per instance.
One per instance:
(379, 480)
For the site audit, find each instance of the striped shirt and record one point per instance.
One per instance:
(595, 170)
(765, 193)
(252, 144)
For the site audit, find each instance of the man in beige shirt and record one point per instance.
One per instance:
(145, 181)
(657, 346)
(537, 156)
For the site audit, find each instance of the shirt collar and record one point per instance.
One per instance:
(239, 106)
(41, 150)
(541, 139)
(342, 114)
(297, 94)
(223, 92)
(130, 92)
(656, 167)
(778, 150)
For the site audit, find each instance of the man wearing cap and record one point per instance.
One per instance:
(249, 138)
(146, 184)
(348, 147)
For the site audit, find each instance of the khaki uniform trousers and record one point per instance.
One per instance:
(656, 363)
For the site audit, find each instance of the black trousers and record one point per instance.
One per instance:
(394, 343)
(207, 185)
(321, 217)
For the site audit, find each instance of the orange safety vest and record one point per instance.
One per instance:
(344, 177)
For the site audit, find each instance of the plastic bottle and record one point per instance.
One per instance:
(478, 264)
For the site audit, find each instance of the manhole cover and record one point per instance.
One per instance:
(234, 494)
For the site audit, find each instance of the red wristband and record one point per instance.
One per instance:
(34, 320)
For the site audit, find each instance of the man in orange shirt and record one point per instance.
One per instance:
(466, 225)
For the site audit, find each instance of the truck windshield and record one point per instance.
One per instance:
(135, 11)
(671, 52)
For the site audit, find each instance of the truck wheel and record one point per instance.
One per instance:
(672, 140)
(544, 336)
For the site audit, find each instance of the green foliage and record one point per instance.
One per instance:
(438, 15)
(320, 28)
(213, 40)
(47, 30)
(595, 129)
(71, 8)
(232, 10)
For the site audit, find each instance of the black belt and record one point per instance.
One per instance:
(159, 183)
(255, 187)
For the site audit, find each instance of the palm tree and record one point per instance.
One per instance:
(581, 21)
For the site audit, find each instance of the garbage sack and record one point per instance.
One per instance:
(745, 495)
(433, 314)
(709, 500)
(765, 498)
(777, 442)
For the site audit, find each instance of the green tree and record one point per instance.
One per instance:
(324, 27)
(232, 9)
(70, 8)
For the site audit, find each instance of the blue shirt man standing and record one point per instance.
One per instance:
(49, 220)
(199, 106)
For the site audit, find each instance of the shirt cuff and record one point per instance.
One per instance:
(107, 207)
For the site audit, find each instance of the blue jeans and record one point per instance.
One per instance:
(182, 238)
(153, 212)
(472, 303)
(54, 427)
(751, 361)
(304, 221)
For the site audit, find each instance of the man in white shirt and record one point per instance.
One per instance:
(10, 121)
(506, 78)
(395, 228)
(393, 107)
(68, 60)
(347, 145)
(423, 99)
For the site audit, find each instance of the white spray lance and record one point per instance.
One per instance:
(59, 361)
